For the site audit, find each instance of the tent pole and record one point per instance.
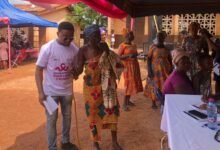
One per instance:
(9, 46)
(132, 24)
(155, 22)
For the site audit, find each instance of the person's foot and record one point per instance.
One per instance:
(154, 106)
(126, 108)
(116, 146)
(131, 103)
(68, 146)
(96, 146)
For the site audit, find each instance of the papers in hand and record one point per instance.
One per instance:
(50, 105)
(216, 69)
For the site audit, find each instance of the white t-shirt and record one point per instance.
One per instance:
(57, 61)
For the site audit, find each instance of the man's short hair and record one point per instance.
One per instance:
(65, 26)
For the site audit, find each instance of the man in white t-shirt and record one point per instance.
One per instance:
(54, 78)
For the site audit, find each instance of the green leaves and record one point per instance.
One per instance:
(83, 15)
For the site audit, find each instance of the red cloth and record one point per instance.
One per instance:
(102, 6)
(5, 20)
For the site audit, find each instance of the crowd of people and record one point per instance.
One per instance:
(19, 42)
(185, 70)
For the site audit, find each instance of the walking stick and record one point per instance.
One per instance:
(76, 119)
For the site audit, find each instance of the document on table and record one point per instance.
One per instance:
(50, 105)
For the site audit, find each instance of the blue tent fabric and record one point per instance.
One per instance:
(19, 18)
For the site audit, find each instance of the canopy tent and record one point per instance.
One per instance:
(11, 16)
(19, 18)
(140, 8)
(102, 6)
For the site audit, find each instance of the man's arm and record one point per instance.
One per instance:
(39, 83)
(79, 63)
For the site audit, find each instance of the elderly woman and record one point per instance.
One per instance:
(178, 82)
(194, 45)
(132, 77)
(101, 68)
(159, 64)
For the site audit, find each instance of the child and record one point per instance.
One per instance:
(3, 54)
(202, 79)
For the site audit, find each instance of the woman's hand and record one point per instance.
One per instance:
(104, 46)
(150, 74)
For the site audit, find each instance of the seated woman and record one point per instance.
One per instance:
(178, 82)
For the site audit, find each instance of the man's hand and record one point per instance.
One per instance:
(41, 98)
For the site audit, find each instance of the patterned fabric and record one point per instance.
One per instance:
(202, 84)
(98, 116)
(132, 77)
(192, 46)
(111, 69)
(160, 65)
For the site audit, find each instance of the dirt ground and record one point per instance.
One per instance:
(22, 119)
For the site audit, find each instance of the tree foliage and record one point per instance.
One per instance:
(83, 15)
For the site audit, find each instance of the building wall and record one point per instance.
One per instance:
(54, 16)
(117, 25)
(144, 29)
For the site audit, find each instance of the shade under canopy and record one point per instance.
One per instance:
(102, 6)
(140, 8)
(20, 18)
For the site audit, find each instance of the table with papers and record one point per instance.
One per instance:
(185, 132)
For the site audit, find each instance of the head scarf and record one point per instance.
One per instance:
(89, 30)
(177, 54)
(102, 30)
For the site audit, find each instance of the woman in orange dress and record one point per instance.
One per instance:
(159, 65)
(132, 77)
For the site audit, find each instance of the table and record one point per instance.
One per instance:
(33, 53)
(184, 132)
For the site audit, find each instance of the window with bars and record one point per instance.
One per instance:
(207, 21)
(36, 37)
(167, 23)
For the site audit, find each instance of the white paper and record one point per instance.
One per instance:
(216, 69)
(50, 105)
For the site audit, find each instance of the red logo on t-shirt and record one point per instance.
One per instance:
(62, 67)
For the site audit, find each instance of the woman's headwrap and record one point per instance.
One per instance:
(102, 30)
(89, 30)
(177, 54)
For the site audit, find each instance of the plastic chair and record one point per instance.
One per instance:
(19, 57)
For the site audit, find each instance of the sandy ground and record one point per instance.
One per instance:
(22, 119)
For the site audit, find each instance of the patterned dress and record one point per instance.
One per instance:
(193, 46)
(161, 69)
(132, 77)
(98, 116)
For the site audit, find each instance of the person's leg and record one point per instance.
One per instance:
(66, 109)
(51, 128)
(115, 144)
(96, 146)
(1, 65)
(154, 105)
(126, 101)
(217, 87)
(130, 103)
(5, 64)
